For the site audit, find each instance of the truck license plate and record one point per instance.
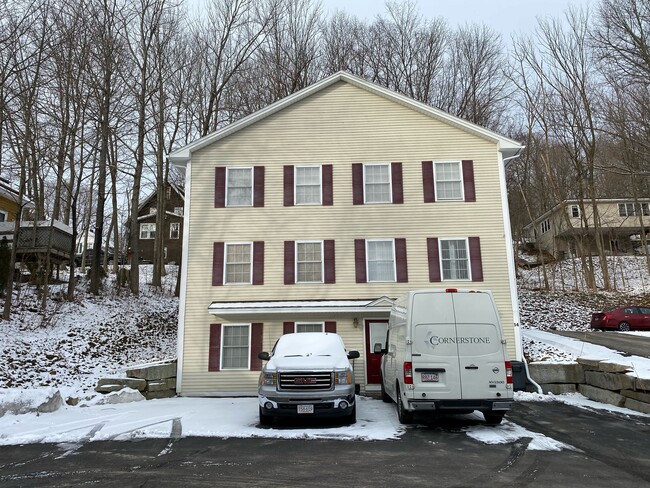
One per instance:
(305, 409)
(433, 377)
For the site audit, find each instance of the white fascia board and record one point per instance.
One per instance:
(508, 147)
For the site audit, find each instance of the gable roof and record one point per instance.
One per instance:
(153, 194)
(508, 147)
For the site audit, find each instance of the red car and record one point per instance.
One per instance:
(622, 318)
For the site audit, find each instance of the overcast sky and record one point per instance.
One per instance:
(505, 16)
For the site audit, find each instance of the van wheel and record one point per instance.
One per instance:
(265, 419)
(493, 418)
(384, 396)
(404, 416)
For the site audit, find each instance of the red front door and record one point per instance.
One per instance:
(375, 334)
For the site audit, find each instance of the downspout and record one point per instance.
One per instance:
(519, 350)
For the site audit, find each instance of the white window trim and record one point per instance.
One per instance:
(462, 183)
(223, 329)
(571, 208)
(6, 215)
(252, 185)
(469, 258)
(178, 224)
(322, 261)
(295, 183)
(148, 232)
(394, 262)
(545, 224)
(225, 263)
(390, 183)
(295, 325)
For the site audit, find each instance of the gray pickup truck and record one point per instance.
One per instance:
(307, 375)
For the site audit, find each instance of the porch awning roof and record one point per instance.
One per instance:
(368, 308)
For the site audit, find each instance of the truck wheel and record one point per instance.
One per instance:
(384, 396)
(404, 416)
(493, 418)
(265, 419)
(352, 416)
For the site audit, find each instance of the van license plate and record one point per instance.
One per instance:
(305, 409)
(432, 377)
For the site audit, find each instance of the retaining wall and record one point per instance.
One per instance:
(601, 381)
(153, 381)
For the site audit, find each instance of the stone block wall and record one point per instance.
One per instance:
(601, 381)
(153, 381)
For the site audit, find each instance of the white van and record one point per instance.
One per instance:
(445, 352)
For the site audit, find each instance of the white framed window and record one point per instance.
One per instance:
(4, 215)
(174, 230)
(235, 346)
(309, 262)
(377, 183)
(545, 226)
(147, 231)
(178, 210)
(239, 187)
(380, 260)
(574, 211)
(448, 178)
(632, 210)
(310, 327)
(238, 265)
(454, 259)
(308, 185)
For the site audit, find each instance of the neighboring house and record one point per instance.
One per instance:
(561, 228)
(9, 203)
(316, 212)
(173, 225)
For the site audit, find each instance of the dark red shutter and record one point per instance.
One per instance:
(214, 352)
(396, 179)
(258, 186)
(328, 190)
(330, 327)
(257, 335)
(330, 262)
(219, 187)
(427, 182)
(217, 264)
(258, 263)
(288, 327)
(357, 184)
(401, 265)
(475, 261)
(288, 186)
(468, 181)
(289, 262)
(434, 259)
(360, 260)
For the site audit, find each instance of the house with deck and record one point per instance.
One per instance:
(570, 224)
(316, 212)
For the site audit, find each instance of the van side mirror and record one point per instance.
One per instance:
(264, 356)
(353, 355)
(379, 350)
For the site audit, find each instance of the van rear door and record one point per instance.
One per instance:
(434, 352)
(481, 353)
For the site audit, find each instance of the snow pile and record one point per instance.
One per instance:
(71, 344)
(17, 400)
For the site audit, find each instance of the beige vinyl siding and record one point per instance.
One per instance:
(340, 125)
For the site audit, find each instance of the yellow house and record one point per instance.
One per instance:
(316, 212)
(8, 202)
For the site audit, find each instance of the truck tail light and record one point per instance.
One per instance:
(508, 372)
(408, 373)
(451, 290)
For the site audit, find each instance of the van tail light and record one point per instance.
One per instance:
(508, 372)
(408, 373)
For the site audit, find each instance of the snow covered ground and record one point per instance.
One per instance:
(70, 345)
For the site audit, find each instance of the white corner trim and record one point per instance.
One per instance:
(183, 289)
(510, 255)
